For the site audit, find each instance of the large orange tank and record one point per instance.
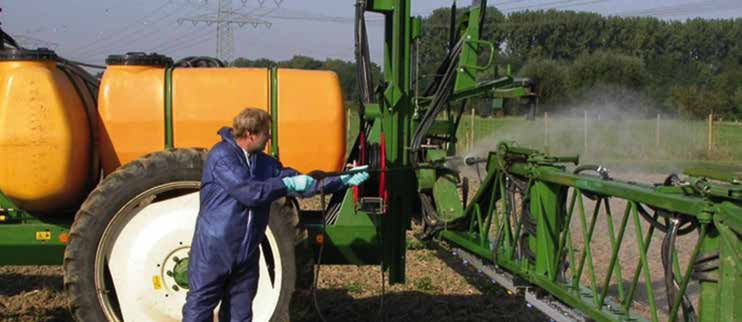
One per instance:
(45, 142)
(310, 114)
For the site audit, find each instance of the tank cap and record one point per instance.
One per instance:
(140, 59)
(9, 54)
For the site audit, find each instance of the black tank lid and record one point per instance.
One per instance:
(40, 54)
(140, 59)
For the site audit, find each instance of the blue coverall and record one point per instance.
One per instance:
(235, 204)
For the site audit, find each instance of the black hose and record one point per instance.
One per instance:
(363, 67)
(72, 62)
(91, 85)
(601, 171)
(440, 99)
(687, 224)
(452, 27)
(319, 255)
(7, 39)
(199, 62)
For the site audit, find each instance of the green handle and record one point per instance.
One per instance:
(491, 56)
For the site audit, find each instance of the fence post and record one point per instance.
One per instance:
(711, 132)
(584, 143)
(657, 131)
(546, 131)
(471, 132)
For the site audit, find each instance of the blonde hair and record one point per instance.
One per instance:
(251, 120)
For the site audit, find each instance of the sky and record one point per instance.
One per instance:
(90, 30)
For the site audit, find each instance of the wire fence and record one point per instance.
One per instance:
(620, 141)
(609, 139)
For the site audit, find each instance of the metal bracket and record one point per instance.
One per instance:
(372, 205)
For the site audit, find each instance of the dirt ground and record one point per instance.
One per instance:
(439, 286)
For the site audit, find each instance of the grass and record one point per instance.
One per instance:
(424, 284)
(415, 244)
(355, 287)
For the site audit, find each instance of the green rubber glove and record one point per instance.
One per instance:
(357, 178)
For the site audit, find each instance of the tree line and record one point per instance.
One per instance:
(686, 68)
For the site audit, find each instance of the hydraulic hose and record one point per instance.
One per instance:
(363, 67)
(90, 84)
(671, 285)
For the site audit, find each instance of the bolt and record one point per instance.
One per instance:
(176, 259)
(176, 288)
(170, 273)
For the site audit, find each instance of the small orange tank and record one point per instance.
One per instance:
(44, 133)
(131, 104)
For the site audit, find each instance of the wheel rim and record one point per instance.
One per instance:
(142, 245)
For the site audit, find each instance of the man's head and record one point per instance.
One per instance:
(251, 129)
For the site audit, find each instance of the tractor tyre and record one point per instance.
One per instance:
(129, 229)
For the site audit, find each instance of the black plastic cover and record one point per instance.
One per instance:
(10, 54)
(140, 59)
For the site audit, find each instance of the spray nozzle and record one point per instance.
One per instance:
(472, 160)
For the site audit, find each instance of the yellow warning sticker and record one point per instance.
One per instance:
(43, 235)
(156, 282)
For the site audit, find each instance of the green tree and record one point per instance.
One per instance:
(604, 67)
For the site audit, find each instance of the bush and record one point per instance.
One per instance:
(550, 77)
(696, 101)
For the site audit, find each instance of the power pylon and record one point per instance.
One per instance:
(226, 17)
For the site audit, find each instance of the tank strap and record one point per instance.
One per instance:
(168, 106)
(274, 111)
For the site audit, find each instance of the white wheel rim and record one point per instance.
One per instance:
(140, 246)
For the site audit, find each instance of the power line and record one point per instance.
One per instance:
(145, 31)
(554, 5)
(307, 16)
(197, 38)
(688, 8)
(190, 34)
(120, 30)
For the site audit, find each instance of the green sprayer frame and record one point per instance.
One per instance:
(519, 221)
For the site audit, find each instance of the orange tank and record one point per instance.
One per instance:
(45, 141)
(310, 113)
(130, 105)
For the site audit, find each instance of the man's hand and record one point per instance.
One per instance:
(357, 178)
(300, 183)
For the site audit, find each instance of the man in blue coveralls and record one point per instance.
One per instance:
(238, 185)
